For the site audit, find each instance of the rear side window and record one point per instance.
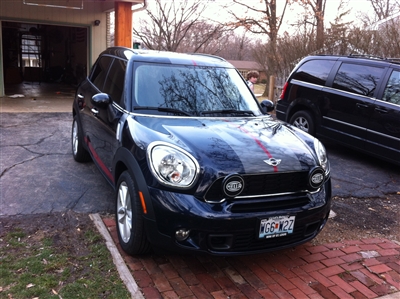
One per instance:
(314, 71)
(359, 79)
(100, 71)
(114, 83)
(392, 90)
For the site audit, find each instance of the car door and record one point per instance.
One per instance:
(86, 91)
(383, 134)
(106, 117)
(349, 103)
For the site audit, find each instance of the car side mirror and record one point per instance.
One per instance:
(267, 106)
(101, 100)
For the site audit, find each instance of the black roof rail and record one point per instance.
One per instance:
(394, 59)
(366, 56)
(391, 59)
(208, 55)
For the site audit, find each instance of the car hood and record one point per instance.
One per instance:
(233, 145)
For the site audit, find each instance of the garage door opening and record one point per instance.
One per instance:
(43, 59)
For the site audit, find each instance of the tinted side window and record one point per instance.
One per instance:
(314, 71)
(100, 71)
(360, 79)
(392, 90)
(114, 83)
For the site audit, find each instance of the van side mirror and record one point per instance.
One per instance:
(267, 106)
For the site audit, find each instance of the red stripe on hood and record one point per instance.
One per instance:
(259, 144)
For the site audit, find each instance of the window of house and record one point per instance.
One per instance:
(31, 50)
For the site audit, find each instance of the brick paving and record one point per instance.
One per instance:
(362, 269)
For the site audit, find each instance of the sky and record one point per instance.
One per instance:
(215, 12)
(295, 11)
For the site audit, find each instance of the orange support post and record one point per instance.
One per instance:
(123, 24)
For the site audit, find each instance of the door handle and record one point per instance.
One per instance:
(361, 105)
(380, 110)
(94, 111)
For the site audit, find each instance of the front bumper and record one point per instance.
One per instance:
(225, 229)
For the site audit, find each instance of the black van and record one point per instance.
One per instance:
(353, 100)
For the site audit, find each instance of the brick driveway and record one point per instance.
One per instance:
(368, 268)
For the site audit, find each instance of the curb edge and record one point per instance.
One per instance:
(123, 270)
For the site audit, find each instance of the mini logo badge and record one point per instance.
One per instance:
(273, 161)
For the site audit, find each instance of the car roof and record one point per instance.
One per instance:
(167, 57)
(366, 58)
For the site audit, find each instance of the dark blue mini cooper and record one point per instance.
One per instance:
(197, 164)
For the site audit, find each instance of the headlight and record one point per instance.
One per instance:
(171, 165)
(322, 156)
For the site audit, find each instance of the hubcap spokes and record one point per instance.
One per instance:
(75, 138)
(124, 212)
(302, 124)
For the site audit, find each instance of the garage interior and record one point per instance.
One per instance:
(41, 59)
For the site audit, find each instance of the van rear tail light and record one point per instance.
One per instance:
(283, 91)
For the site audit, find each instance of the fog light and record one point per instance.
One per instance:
(182, 234)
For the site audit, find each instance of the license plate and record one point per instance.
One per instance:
(278, 226)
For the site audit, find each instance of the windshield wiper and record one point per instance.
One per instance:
(229, 111)
(163, 109)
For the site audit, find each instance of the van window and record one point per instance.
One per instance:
(314, 71)
(392, 90)
(359, 79)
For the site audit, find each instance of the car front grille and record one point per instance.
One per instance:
(263, 185)
(268, 204)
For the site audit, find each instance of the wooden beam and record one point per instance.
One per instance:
(123, 24)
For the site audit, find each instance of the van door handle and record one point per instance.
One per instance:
(380, 110)
(361, 105)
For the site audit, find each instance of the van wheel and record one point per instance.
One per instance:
(304, 121)
(129, 217)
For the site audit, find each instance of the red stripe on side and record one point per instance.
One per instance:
(98, 160)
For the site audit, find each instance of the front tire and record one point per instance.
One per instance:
(304, 121)
(129, 217)
(79, 153)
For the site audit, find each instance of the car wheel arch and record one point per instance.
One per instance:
(124, 160)
(305, 105)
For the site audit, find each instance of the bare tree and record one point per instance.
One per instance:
(385, 8)
(318, 9)
(172, 25)
(205, 37)
(237, 46)
(261, 19)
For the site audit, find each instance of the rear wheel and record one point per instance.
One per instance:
(129, 217)
(304, 121)
(78, 151)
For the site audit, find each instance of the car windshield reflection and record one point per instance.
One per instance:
(192, 90)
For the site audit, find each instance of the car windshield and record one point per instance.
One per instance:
(192, 90)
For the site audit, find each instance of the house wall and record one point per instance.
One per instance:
(17, 11)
